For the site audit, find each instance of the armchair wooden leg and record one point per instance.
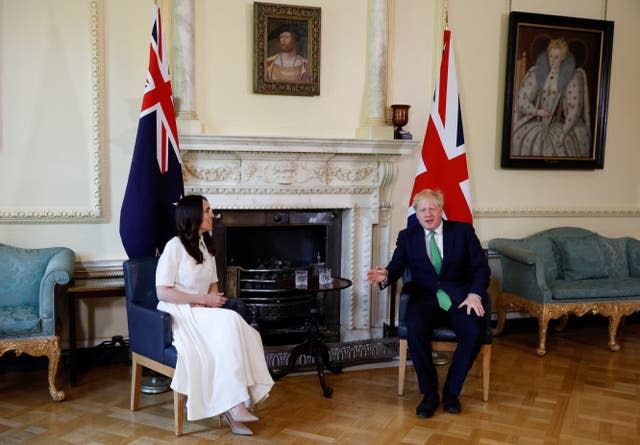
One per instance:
(402, 366)
(486, 371)
(53, 352)
(38, 347)
(502, 315)
(614, 322)
(179, 401)
(136, 381)
(543, 323)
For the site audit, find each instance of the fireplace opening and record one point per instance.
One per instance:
(274, 247)
(258, 247)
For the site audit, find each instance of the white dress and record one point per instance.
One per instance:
(220, 357)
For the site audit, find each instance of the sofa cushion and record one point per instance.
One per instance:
(596, 289)
(19, 320)
(581, 258)
(633, 257)
(544, 249)
(614, 251)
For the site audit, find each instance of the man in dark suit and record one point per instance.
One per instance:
(449, 279)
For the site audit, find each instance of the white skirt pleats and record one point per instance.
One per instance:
(221, 360)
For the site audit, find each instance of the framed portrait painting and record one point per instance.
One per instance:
(287, 49)
(556, 92)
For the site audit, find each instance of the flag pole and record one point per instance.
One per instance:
(441, 24)
(446, 15)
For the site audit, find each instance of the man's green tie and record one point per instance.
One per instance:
(444, 301)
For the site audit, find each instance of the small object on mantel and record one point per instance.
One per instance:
(400, 117)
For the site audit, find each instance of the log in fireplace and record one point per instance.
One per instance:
(255, 248)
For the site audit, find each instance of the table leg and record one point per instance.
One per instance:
(315, 348)
(301, 349)
(72, 339)
(324, 354)
(320, 365)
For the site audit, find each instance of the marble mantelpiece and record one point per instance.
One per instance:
(355, 175)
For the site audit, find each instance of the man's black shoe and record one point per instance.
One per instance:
(451, 404)
(426, 409)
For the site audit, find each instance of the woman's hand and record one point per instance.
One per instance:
(211, 299)
(215, 299)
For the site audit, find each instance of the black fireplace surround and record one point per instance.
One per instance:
(257, 247)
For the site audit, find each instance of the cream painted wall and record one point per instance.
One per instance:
(126, 28)
(226, 105)
(600, 195)
(481, 74)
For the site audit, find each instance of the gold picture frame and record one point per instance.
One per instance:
(287, 49)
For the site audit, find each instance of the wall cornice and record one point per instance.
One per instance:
(621, 212)
(277, 144)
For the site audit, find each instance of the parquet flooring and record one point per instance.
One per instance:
(579, 393)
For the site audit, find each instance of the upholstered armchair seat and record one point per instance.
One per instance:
(20, 320)
(29, 279)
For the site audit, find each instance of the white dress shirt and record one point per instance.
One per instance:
(438, 236)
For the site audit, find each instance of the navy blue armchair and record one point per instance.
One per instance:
(150, 333)
(444, 340)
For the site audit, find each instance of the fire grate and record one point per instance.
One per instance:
(259, 247)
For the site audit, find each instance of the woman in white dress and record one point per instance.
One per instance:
(221, 360)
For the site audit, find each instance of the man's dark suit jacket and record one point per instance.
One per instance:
(464, 264)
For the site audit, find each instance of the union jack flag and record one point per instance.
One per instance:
(443, 162)
(157, 95)
(155, 184)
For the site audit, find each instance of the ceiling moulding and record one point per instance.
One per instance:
(93, 212)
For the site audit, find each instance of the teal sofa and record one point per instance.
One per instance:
(29, 279)
(568, 270)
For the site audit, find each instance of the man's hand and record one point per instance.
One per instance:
(473, 302)
(377, 275)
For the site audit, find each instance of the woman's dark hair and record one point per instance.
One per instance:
(188, 220)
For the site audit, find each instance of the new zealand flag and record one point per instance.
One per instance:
(147, 216)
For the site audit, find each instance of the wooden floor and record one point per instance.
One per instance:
(579, 393)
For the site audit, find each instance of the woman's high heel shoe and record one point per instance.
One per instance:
(248, 417)
(237, 427)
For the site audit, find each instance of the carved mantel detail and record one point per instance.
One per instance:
(354, 175)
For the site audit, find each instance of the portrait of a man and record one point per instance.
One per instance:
(287, 50)
(287, 62)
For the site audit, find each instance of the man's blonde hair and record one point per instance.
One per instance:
(434, 195)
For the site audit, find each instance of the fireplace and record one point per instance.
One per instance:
(258, 247)
(350, 179)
